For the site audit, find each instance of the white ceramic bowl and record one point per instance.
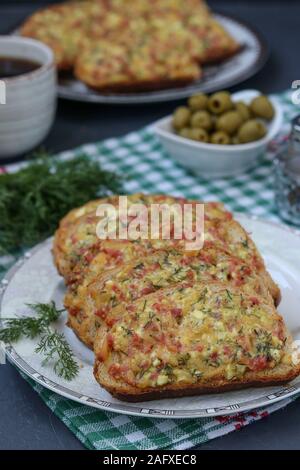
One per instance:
(217, 160)
(30, 99)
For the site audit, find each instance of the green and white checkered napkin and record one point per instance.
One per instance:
(140, 157)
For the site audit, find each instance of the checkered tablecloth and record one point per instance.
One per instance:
(140, 158)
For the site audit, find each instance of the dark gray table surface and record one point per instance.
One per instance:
(25, 422)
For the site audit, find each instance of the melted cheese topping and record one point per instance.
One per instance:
(122, 42)
(193, 334)
(157, 271)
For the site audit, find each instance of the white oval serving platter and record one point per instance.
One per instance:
(34, 279)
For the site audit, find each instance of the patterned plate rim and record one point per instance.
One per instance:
(183, 92)
(284, 392)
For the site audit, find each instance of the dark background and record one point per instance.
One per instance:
(25, 422)
(79, 123)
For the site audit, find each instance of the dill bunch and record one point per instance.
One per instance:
(35, 198)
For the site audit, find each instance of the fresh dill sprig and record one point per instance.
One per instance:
(16, 328)
(35, 198)
(29, 327)
(55, 348)
(52, 345)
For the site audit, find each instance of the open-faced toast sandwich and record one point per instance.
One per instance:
(164, 321)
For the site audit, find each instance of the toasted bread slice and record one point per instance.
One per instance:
(68, 242)
(61, 27)
(124, 47)
(188, 340)
(92, 303)
(83, 258)
(76, 242)
(217, 43)
(115, 67)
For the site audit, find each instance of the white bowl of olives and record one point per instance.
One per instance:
(221, 134)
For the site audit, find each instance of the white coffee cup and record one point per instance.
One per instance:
(27, 101)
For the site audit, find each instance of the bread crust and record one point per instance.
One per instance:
(138, 86)
(215, 56)
(217, 387)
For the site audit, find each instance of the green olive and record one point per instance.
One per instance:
(262, 107)
(198, 102)
(229, 122)
(199, 134)
(181, 117)
(243, 109)
(220, 102)
(251, 130)
(202, 119)
(235, 140)
(220, 137)
(185, 132)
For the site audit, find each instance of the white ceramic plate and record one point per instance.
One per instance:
(34, 279)
(246, 63)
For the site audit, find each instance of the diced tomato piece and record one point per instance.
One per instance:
(146, 290)
(101, 312)
(213, 204)
(136, 340)
(155, 266)
(190, 274)
(207, 258)
(227, 351)
(176, 312)
(74, 239)
(147, 348)
(161, 338)
(73, 311)
(257, 263)
(115, 370)
(118, 291)
(113, 253)
(254, 300)
(131, 308)
(185, 260)
(182, 201)
(214, 356)
(245, 342)
(89, 257)
(259, 363)
(157, 307)
(280, 332)
(111, 321)
(239, 282)
(145, 364)
(154, 375)
(110, 341)
(246, 270)
(102, 354)
(175, 346)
